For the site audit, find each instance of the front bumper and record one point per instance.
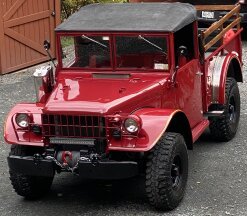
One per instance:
(28, 166)
(100, 170)
(108, 170)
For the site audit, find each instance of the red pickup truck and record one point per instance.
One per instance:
(134, 89)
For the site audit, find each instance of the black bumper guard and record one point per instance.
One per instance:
(28, 166)
(86, 169)
(108, 169)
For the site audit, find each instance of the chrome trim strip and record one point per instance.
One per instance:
(216, 74)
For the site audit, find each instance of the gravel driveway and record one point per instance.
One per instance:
(216, 186)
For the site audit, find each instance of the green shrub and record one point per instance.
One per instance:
(70, 6)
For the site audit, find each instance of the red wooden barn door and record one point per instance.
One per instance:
(24, 25)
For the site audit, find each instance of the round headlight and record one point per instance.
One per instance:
(22, 120)
(131, 125)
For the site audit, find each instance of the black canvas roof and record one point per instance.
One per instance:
(162, 17)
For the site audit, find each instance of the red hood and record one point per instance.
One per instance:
(93, 95)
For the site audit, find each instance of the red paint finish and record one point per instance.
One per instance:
(186, 95)
(110, 95)
(85, 94)
(154, 123)
(223, 77)
(230, 49)
(16, 135)
(199, 129)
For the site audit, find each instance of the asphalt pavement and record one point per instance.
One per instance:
(216, 185)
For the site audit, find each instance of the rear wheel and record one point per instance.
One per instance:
(224, 128)
(30, 187)
(167, 172)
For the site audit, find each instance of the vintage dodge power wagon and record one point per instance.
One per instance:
(134, 87)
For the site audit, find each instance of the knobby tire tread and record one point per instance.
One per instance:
(158, 189)
(220, 127)
(30, 187)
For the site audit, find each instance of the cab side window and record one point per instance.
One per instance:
(184, 45)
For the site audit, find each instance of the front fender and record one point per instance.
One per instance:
(154, 124)
(15, 135)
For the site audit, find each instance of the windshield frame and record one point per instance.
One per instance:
(112, 50)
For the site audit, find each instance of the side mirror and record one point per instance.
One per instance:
(183, 51)
(47, 45)
(182, 55)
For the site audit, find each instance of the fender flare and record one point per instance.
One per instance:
(154, 123)
(222, 67)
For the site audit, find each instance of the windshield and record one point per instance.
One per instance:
(114, 52)
(85, 51)
(144, 52)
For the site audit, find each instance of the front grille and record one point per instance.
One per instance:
(74, 126)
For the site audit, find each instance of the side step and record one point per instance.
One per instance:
(215, 113)
(199, 129)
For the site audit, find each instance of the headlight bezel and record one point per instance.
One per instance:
(131, 121)
(22, 120)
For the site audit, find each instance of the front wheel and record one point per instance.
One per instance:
(167, 172)
(224, 128)
(30, 187)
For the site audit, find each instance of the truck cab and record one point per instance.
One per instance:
(127, 96)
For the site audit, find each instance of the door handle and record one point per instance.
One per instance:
(199, 73)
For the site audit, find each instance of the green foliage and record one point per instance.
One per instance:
(67, 41)
(71, 6)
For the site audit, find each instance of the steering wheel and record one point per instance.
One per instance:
(183, 51)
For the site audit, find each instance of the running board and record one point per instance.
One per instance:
(215, 113)
(199, 129)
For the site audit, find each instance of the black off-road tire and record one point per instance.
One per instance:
(224, 128)
(167, 172)
(30, 187)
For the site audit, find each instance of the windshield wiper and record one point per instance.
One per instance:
(149, 42)
(97, 42)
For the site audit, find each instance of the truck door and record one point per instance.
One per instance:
(187, 93)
